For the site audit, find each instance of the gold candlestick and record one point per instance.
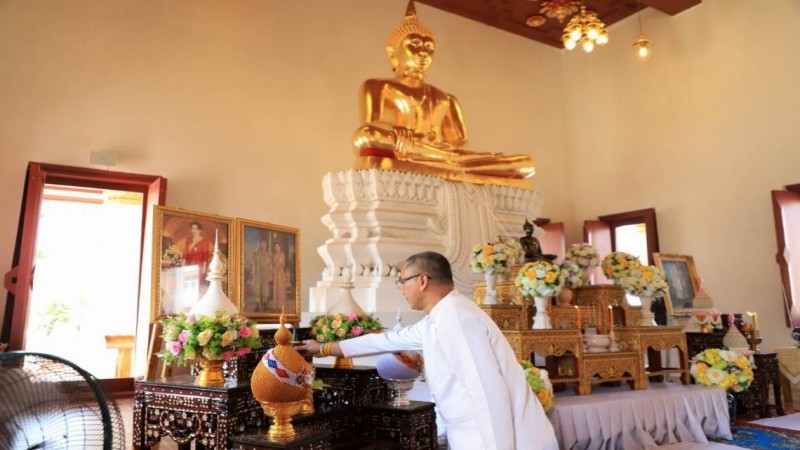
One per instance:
(753, 339)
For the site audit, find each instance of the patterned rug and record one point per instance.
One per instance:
(764, 438)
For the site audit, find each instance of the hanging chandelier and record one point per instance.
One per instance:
(643, 46)
(585, 29)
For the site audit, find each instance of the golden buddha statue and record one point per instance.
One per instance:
(412, 126)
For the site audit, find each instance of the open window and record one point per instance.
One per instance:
(634, 232)
(786, 211)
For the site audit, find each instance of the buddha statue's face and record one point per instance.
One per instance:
(414, 55)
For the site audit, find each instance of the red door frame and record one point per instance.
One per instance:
(153, 188)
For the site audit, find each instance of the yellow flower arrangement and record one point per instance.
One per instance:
(644, 281)
(492, 257)
(727, 369)
(539, 381)
(539, 279)
(617, 265)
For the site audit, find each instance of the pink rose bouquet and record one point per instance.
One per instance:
(217, 337)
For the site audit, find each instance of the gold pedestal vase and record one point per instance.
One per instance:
(210, 373)
(281, 414)
(343, 363)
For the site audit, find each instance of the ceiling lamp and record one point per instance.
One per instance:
(559, 9)
(585, 29)
(642, 46)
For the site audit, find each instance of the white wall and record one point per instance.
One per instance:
(244, 105)
(701, 132)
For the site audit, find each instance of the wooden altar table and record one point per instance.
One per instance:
(547, 343)
(653, 340)
(663, 414)
(176, 408)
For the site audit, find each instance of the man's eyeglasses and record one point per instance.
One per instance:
(401, 281)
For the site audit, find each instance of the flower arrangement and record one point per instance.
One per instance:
(573, 273)
(540, 383)
(172, 257)
(337, 327)
(616, 265)
(727, 369)
(650, 282)
(517, 254)
(584, 255)
(539, 279)
(215, 338)
(492, 257)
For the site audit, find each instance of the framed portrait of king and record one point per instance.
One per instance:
(268, 271)
(183, 245)
(682, 282)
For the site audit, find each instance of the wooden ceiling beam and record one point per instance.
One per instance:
(671, 7)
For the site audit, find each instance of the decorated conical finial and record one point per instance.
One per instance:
(216, 269)
(214, 299)
(283, 336)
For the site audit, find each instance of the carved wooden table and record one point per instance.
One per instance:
(507, 317)
(305, 439)
(413, 426)
(755, 400)
(653, 340)
(547, 343)
(609, 366)
(209, 416)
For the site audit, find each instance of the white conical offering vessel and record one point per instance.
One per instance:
(345, 304)
(214, 299)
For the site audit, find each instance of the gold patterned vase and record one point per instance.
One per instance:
(343, 363)
(210, 373)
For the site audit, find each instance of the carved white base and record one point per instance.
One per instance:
(378, 218)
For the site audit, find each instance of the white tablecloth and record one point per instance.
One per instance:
(619, 418)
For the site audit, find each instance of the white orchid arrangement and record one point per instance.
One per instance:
(573, 273)
(584, 255)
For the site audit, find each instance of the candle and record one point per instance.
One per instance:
(755, 321)
(578, 313)
(611, 317)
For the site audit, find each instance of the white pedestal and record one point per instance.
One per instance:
(378, 218)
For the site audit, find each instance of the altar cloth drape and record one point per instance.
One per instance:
(619, 418)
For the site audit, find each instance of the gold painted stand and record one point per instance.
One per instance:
(556, 343)
(613, 366)
(653, 340)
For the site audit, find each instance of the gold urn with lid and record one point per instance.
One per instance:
(281, 382)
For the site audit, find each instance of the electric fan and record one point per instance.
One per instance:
(47, 402)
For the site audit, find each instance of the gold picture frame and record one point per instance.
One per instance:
(180, 261)
(268, 271)
(682, 280)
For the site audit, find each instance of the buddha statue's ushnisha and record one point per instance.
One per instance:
(413, 126)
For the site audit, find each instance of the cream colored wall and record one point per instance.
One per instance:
(702, 132)
(244, 105)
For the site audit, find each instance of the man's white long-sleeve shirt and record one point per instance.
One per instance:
(474, 376)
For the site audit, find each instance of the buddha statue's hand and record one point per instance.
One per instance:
(404, 141)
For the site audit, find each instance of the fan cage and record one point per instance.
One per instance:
(49, 402)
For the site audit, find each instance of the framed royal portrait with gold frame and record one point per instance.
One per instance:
(268, 271)
(681, 275)
(183, 245)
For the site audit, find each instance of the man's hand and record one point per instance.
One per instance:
(309, 347)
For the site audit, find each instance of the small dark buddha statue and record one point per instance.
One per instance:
(531, 245)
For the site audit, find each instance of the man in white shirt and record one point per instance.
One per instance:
(477, 383)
